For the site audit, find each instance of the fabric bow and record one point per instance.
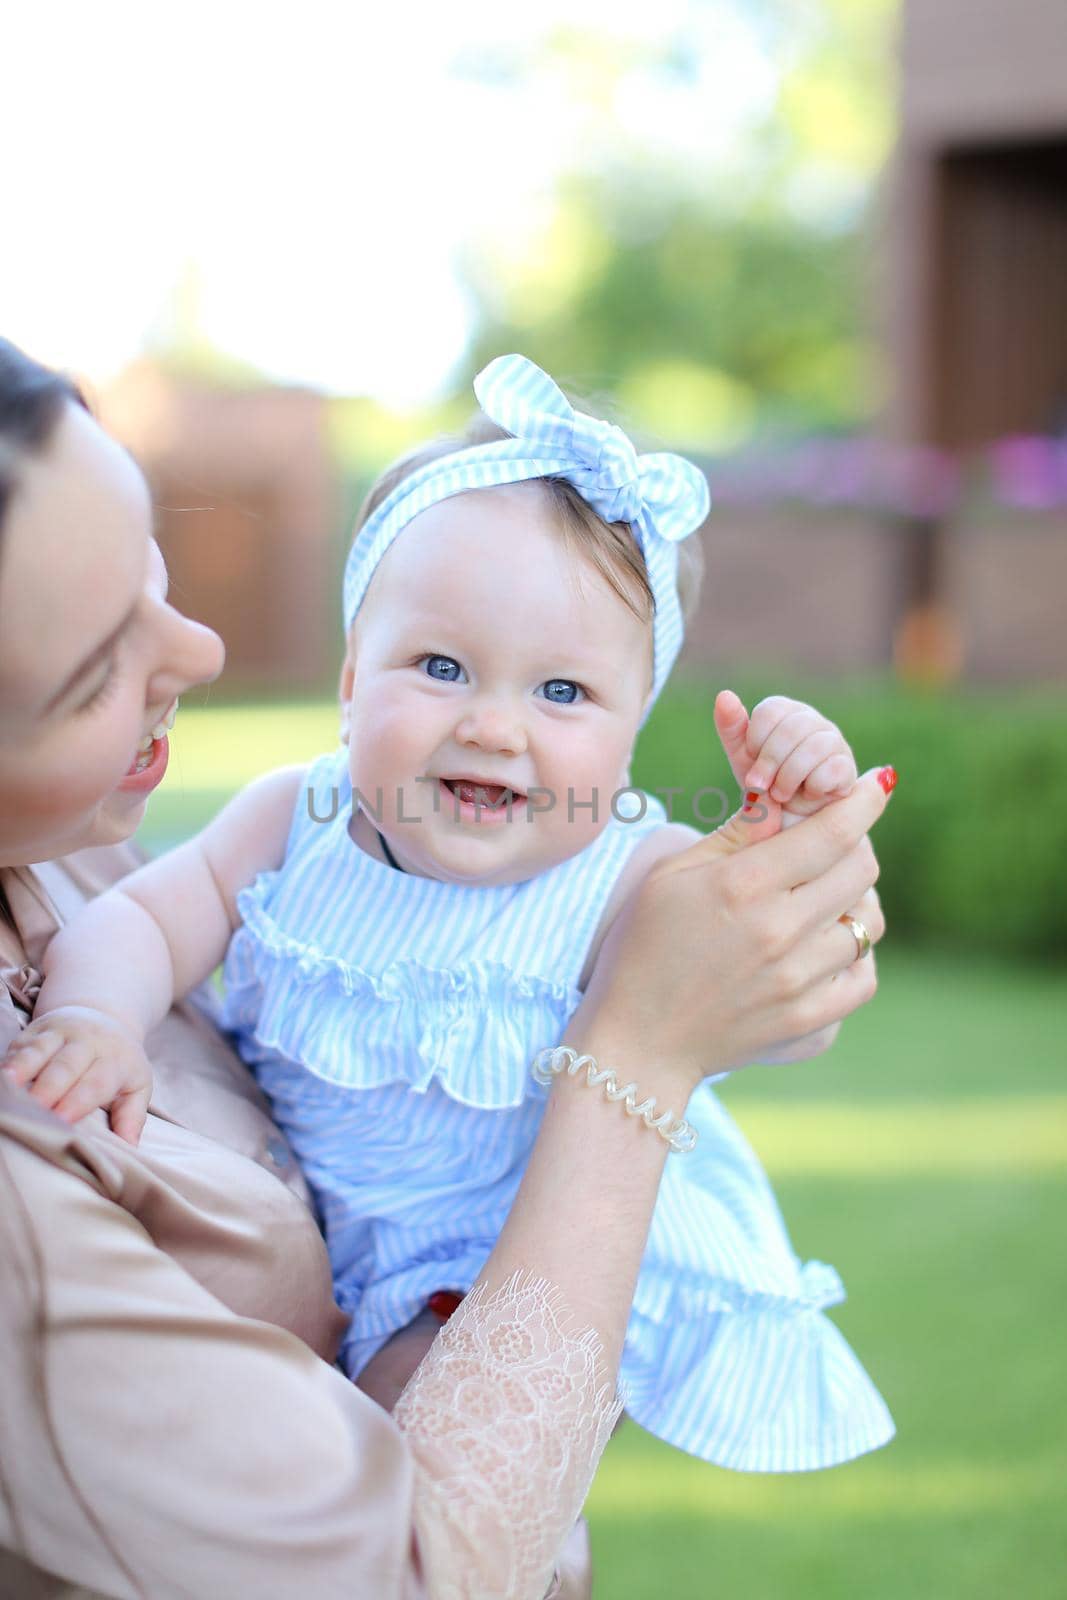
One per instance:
(664, 491)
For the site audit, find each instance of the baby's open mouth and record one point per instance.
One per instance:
(475, 793)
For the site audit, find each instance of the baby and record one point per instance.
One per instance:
(406, 923)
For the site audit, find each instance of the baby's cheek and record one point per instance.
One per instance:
(383, 737)
(586, 781)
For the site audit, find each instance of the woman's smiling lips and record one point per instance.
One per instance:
(151, 776)
(145, 775)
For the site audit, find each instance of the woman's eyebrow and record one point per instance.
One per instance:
(91, 660)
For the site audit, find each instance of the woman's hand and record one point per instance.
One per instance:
(734, 945)
(869, 912)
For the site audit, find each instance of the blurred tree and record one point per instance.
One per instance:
(720, 294)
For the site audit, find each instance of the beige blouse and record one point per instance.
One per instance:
(171, 1424)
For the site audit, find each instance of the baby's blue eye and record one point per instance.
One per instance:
(561, 691)
(443, 669)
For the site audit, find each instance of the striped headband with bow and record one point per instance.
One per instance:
(663, 497)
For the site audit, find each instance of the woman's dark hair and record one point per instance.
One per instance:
(31, 403)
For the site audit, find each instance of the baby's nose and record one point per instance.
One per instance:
(492, 727)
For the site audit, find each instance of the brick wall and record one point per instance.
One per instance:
(829, 592)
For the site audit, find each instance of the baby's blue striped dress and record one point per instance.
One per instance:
(392, 1020)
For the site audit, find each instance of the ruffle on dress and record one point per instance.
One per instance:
(728, 1354)
(758, 1383)
(469, 1028)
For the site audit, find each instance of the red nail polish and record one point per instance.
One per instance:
(888, 779)
(751, 800)
(443, 1302)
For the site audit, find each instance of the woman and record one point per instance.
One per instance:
(171, 1424)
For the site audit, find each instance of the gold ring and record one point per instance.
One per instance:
(859, 933)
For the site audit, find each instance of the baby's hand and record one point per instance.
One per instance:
(786, 750)
(75, 1060)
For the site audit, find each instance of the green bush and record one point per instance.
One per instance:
(974, 845)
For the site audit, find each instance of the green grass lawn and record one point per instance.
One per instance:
(926, 1157)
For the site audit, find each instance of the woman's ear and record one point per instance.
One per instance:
(348, 679)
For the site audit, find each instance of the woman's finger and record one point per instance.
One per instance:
(841, 947)
(869, 911)
(800, 855)
(837, 949)
(830, 999)
(824, 953)
(829, 896)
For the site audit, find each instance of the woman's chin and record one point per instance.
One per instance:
(121, 814)
(113, 822)
(119, 817)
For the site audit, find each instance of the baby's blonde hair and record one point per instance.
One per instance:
(609, 546)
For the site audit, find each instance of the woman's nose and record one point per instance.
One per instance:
(490, 726)
(191, 653)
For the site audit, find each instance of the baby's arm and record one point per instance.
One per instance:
(114, 972)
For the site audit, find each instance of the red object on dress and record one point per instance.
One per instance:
(443, 1302)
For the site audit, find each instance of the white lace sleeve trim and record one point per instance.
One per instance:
(507, 1417)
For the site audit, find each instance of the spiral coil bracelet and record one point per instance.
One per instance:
(548, 1063)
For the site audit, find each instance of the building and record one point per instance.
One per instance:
(247, 515)
(971, 299)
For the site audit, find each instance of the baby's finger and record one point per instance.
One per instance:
(835, 775)
(56, 1078)
(765, 718)
(780, 744)
(731, 724)
(798, 767)
(27, 1056)
(128, 1114)
(32, 1037)
(96, 1087)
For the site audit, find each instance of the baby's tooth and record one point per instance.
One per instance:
(159, 730)
(171, 714)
